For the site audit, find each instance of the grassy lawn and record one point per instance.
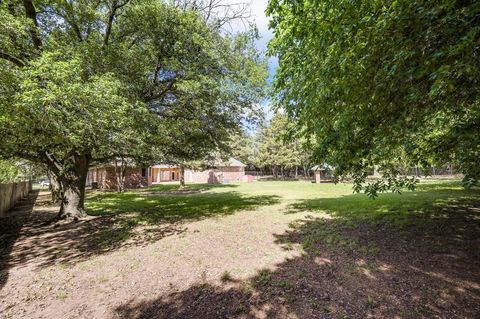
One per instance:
(260, 250)
(431, 207)
(163, 203)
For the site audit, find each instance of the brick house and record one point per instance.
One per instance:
(104, 175)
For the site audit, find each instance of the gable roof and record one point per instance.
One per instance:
(234, 162)
(322, 167)
(230, 162)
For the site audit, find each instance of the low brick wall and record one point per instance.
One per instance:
(10, 194)
(217, 175)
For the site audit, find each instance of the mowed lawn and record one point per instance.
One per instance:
(272, 249)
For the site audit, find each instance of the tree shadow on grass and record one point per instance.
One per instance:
(149, 209)
(189, 187)
(352, 266)
(122, 220)
(418, 208)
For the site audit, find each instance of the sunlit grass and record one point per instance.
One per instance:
(430, 205)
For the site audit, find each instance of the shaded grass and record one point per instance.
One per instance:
(346, 238)
(432, 207)
(428, 202)
(438, 210)
(151, 209)
(428, 208)
(159, 207)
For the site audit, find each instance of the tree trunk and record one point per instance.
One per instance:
(120, 171)
(55, 187)
(73, 189)
(375, 171)
(182, 176)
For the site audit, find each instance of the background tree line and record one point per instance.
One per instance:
(272, 149)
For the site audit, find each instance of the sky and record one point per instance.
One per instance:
(261, 20)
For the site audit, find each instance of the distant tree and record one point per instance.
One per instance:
(218, 14)
(370, 80)
(305, 154)
(243, 148)
(276, 151)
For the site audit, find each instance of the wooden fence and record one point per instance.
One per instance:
(11, 193)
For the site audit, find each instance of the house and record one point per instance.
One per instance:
(104, 175)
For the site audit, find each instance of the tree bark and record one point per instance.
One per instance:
(73, 189)
(182, 176)
(31, 13)
(55, 187)
(120, 171)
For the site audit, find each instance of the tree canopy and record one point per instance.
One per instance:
(86, 82)
(274, 149)
(373, 81)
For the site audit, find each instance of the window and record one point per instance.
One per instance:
(144, 172)
(173, 176)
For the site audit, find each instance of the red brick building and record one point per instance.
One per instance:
(104, 176)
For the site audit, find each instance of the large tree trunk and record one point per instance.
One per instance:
(182, 176)
(55, 187)
(120, 171)
(73, 189)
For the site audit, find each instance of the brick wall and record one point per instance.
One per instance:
(107, 179)
(217, 175)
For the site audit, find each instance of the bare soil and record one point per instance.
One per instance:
(262, 263)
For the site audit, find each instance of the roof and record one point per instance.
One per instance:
(234, 162)
(231, 162)
(164, 166)
(322, 167)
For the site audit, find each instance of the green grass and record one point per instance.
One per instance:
(155, 205)
(430, 205)
(165, 203)
(430, 201)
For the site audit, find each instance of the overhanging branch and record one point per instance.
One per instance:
(12, 59)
